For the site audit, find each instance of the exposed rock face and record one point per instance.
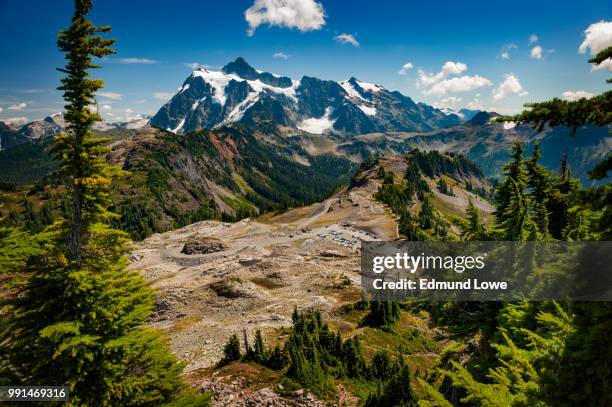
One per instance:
(240, 93)
(203, 246)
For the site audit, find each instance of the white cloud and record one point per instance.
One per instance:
(533, 39)
(450, 101)
(16, 121)
(111, 95)
(439, 84)
(463, 83)
(453, 68)
(280, 55)
(137, 61)
(449, 68)
(1, 109)
(576, 95)
(163, 95)
(511, 85)
(141, 101)
(129, 111)
(605, 64)
(305, 15)
(405, 68)
(107, 107)
(18, 106)
(598, 36)
(505, 51)
(346, 39)
(536, 52)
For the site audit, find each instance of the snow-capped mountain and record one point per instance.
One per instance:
(240, 93)
(45, 128)
(53, 125)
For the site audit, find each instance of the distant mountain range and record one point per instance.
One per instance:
(52, 126)
(241, 94)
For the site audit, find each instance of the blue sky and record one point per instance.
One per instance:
(488, 49)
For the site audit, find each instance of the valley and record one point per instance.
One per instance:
(305, 258)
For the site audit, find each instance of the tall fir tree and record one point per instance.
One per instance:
(79, 319)
(539, 182)
(474, 229)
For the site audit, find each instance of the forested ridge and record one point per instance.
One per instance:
(171, 181)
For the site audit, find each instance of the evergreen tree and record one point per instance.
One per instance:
(79, 319)
(397, 391)
(383, 313)
(514, 173)
(231, 351)
(539, 181)
(515, 217)
(259, 349)
(474, 228)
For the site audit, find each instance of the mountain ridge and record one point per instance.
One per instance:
(241, 94)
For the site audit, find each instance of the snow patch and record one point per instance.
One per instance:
(219, 80)
(509, 125)
(317, 126)
(180, 125)
(370, 111)
(370, 86)
(352, 92)
(240, 109)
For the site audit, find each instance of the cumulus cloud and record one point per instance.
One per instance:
(129, 111)
(137, 61)
(405, 68)
(605, 64)
(536, 52)
(449, 68)
(598, 36)
(18, 106)
(346, 39)
(450, 101)
(280, 55)
(305, 15)
(107, 107)
(504, 55)
(576, 95)
(463, 83)
(510, 86)
(440, 84)
(533, 39)
(111, 95)
(16, 121)
(163, 95)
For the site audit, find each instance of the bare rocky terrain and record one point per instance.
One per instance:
(257, 271)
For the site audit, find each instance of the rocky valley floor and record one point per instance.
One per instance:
(217, 279)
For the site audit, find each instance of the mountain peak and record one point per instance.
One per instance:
(482, 118)
(241, 68)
